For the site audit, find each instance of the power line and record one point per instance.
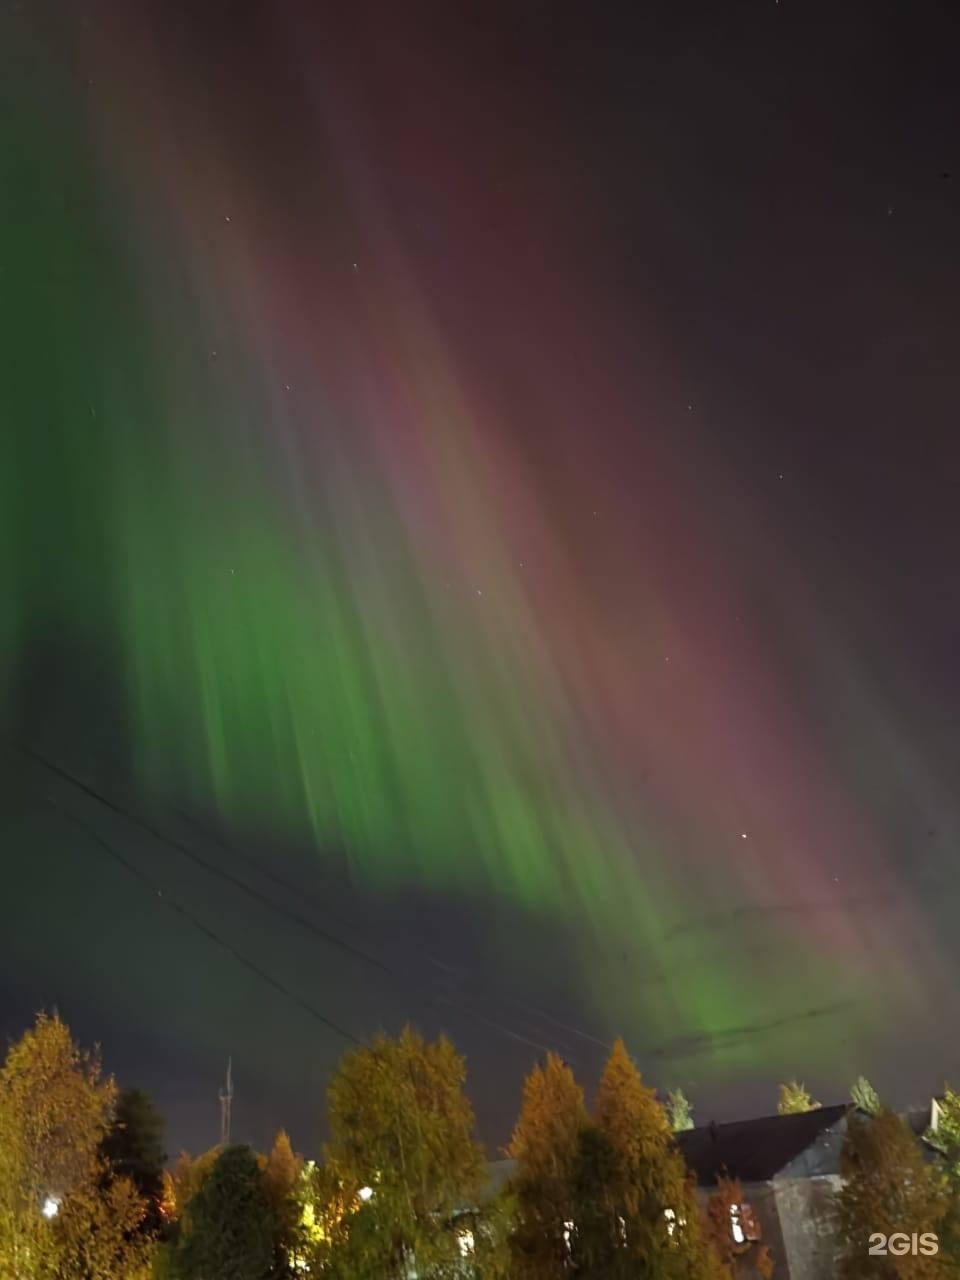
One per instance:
(199, 861)
(530, 1010)
(186, 914)
(326, 936)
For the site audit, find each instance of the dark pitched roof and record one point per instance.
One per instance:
(754, 1150)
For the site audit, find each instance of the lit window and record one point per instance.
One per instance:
(466, 1242)
(736, 1229)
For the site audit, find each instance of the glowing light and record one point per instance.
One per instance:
(465, 1242)
(365, 1193)
(736, 1230)
(673, 1222)
(51, 1207)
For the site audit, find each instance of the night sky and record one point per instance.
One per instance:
(479, 526)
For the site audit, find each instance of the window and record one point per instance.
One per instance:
(569, 1231)
(673, 1222)
(466, 1242)
(743, 1224)
(736, 1228)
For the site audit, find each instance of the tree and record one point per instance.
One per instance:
(888, 1187)
(189, 1175)
(282, 1169)
(734, 1232)
(100, 1236)
(63, 1211)
(598, 1235)
(946, 1137)
(679, 1110)
(647, 1195)
(546, 1145)
(403, 1153)
(865, 1096)
(493, 1229)
(794, 1098)
(229, 1232)
(133, 1148)
(283, 1183)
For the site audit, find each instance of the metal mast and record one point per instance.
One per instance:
(226, 1102)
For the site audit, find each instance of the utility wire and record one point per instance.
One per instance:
(212, 868)
(186, 914)
(358, 952)
(257, 866)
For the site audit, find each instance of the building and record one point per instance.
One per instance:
(789, 1170)
(788, 1167)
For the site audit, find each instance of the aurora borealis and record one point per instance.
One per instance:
(447, 467)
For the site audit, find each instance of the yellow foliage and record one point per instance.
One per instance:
(552, 1115)
(282, 1171)
(55, 1109)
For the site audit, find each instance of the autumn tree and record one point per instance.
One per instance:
(403, 1153)
(99, 1233)
(181, 1186)
(63, 1211)
(889, 1187)
(546, 1147)
(493, 1230)
(794, 1098)
(133, 1148)
(283, 1183)
(646, 1192)
(734, 1233)
(597, 1235)
(864, 1095)
(229, 1232)
(189, 1175)
(680, 1111)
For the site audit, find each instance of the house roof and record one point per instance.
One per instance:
(754, 1150)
